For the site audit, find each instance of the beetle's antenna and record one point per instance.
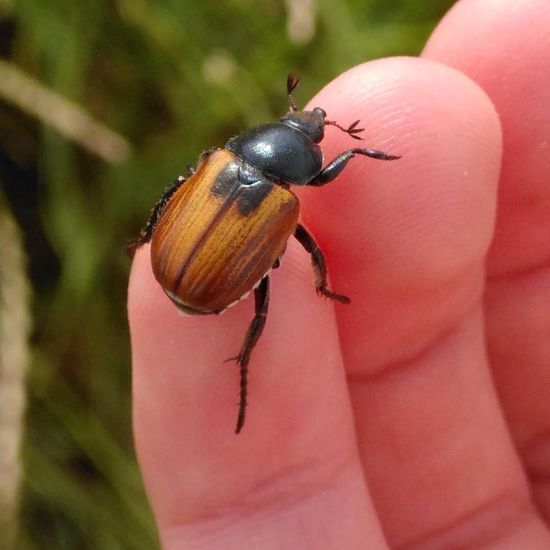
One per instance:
(352, 129)
(291, 83)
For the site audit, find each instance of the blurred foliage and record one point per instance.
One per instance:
(172, 77)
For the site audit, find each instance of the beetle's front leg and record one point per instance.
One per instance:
(261, 298)
(319, 265)
(147, 232)
(331, 170)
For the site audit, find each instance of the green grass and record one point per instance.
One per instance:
(171, 77)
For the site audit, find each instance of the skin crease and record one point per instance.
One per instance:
(431, 387)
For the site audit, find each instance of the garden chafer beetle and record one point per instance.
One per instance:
(217, 234)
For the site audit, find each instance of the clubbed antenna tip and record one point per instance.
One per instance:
(351, 130)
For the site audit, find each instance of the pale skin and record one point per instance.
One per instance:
(418, 416)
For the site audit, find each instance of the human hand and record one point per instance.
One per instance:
(377, 425)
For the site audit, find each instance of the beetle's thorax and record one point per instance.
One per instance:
(281, 150)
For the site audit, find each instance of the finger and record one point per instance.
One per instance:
(410, 242)
(510, 59)
(292, 477)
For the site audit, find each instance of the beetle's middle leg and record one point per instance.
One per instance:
(261, 298)
(147, 232)
(331, 170)
(319, 265)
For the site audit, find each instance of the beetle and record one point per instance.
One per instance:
(216, 234)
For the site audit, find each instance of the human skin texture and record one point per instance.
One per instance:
(418, 416)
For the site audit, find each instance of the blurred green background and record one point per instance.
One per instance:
(102, 103)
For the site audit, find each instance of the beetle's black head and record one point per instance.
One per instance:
(311, 123)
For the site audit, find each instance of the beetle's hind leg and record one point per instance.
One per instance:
(318, 263)
(147, 232)
(261, 298)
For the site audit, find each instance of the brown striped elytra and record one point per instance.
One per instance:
(217, 234)
(208, 249)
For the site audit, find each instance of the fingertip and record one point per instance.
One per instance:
(503, 46)
(418, 226)
(446, 133)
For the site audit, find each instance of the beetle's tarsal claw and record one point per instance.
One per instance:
(341, 298)
(240, 419)
(333, 296)
(242, 414)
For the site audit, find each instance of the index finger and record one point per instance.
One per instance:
(294, 467)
